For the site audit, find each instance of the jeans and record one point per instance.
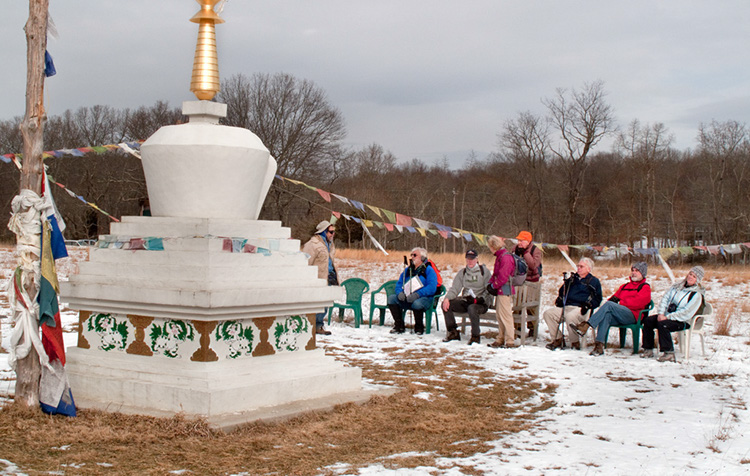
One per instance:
(320, 318)
(419, 306)
(608, 314)
(665, 327)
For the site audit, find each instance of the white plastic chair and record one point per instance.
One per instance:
(696, 327)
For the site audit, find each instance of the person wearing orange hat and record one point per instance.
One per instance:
(533, 257)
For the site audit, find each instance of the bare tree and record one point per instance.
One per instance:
(644, 146)
(581, 119)
(524, 142)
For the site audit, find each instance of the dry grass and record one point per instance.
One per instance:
(724, 318)
(467, 407)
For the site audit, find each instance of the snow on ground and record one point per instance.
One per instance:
(616, 414)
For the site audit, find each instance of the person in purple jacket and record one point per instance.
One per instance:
(502, 287)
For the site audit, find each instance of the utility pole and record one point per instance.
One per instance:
(28, 369)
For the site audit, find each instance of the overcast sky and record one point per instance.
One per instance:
(421, 78)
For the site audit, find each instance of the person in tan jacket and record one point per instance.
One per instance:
(320, 250)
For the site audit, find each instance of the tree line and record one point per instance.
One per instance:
(546, 176)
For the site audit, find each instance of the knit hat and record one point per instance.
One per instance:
(322, 226)
(641, 266)
(699, 272)
(471, 254)
(524, 235)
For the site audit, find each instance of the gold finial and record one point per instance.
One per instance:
(205, 81)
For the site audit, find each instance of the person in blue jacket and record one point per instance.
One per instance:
(415, 290)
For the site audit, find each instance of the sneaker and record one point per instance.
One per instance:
(474, 340)
(581, 328)
(575, 346)
(452, 335)
(396, 330)
(647, 354)
(555, 344)
(667, 357)
(598, 349)
(322, 332)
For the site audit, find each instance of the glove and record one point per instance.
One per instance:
(412, 297)
(584, 310)
(559, 301)
(615, 299)
(491, 290)
(401, 296)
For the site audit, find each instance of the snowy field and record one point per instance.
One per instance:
(616, 414)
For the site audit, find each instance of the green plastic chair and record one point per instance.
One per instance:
(355, 288)
(634, 328)
(429, 312)
(389, 287)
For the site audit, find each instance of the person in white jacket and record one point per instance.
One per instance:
(679, 304)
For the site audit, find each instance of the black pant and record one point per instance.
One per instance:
(665, 327)
(398, 318)
(461, 305)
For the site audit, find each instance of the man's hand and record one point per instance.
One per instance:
(559, 301)
(446, 305)
(412, 297)
(661, 317)
(584, 309)
(401, 296)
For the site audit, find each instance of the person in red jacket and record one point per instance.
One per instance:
(624, 307)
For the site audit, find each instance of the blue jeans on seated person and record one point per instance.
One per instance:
(609, 314)
(320, 318)
(397, 307)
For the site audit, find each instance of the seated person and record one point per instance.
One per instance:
(409, 297)
(624, 307)
(467, 294)
(683, 300)
(580, 293)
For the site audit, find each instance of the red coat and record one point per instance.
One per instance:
(635, 295)
(505, 265)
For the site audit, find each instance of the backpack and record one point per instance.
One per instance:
(437, 272)
(539, 268)
(521, 268)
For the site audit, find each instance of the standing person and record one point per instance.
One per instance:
(501, 287)
(623, 308)
(416, 297)
(320, 249)
(533, 257)
(683, 300)
(580, 293)
(468, 293)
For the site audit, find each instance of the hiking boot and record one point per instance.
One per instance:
(474, 340)
(452, 335)
(647, 354)
(598, 349)
(667, 357)
(419, 333)
(511, 345)
(397, 330)
(555, 344)
(496, 345)
(322, 332)
(575, 345)
(581, 328)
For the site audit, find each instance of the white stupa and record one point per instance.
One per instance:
(201, 308)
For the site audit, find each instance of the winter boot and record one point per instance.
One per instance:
(575, 345)
(598, 349)
(647, 354)
(667, 357)
(452, 335)
(474, 340)
(322, 332)
(555, 344)
(581, 328)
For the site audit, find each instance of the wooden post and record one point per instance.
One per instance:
(28, 370)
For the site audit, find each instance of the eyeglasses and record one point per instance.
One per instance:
(414, 255)
(580, 266)
(331, 231)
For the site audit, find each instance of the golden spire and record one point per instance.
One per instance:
(205, 81)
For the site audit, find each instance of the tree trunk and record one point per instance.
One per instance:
(28, 370)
